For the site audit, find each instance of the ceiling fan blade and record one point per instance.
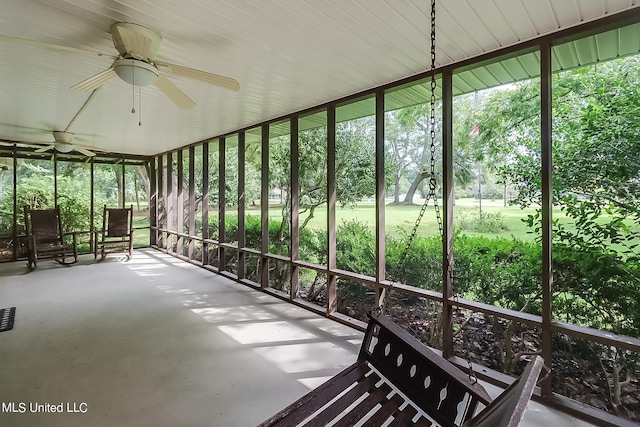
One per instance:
(94, 82)
(43, 149)
(132, 39)
(84, 151)
(192, 73)
(91, 148)
(53, 46)
(174, 93)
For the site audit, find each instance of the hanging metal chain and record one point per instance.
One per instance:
(432, 176)
(431, 195)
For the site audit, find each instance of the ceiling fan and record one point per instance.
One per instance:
(137, 47)
(63, 140)
(135, 64)
(63, 143)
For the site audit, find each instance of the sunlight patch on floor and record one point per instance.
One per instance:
(233, 314)
(298, 358)
(260, 333)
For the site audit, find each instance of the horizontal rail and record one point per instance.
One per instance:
(574, 331)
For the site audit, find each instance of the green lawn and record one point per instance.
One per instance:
(404, 217)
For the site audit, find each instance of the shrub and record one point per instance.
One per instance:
(478, 221)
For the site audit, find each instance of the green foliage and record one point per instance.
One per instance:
(423, 265)
(253, 229)
(355, 247)
(355, 251)
(35, 188)
(597, 288)
(479, 221)
(595, 184)
(499, 271)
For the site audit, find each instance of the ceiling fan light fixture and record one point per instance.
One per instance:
(136, 72)
(63, 147)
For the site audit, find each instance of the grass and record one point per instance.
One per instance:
(399, 218)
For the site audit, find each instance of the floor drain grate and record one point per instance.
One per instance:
(6, 318)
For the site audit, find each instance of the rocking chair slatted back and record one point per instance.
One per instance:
(45, 225)
(119, 222)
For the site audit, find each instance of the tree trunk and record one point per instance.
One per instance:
(119, 180)
(135, 189)
(414, 187)
(143, 174)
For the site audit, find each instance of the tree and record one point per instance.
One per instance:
(408, 146)
(596, 182)
(416, 121)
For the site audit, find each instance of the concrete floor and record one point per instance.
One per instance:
(158, 342)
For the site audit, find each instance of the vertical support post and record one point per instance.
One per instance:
(153, 200)
(447, 220)
(16, 243)
(162, 203)
(55, 178)
(222, 201)
(547, 201)
(264, 209)
(192, 201)
(205, 202)
(180, 204)
(242, 239)
(294, 185)
(92, 206)
(332, 286)
(123, 195)
(169, 202)
(380, 199)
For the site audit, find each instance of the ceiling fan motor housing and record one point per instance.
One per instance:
(63, 137)
(135, 41)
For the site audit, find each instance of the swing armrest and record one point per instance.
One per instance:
(507, 410)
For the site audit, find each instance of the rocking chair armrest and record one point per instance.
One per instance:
(74, 236)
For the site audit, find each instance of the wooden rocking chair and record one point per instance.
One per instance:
(116, 234)
(397, 381)
(45, 239)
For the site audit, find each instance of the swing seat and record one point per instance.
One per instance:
(397, 381)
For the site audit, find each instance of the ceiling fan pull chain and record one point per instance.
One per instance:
(139, 105)
(133, 92)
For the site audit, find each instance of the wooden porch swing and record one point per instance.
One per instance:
(397, 380)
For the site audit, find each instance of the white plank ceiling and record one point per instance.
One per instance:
(288, 55)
